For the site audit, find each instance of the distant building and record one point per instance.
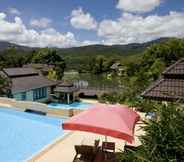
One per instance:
(42, 68)
(28, 84)
(118, 68)
(171, 85)
(66, 92)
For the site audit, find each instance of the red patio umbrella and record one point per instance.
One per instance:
(109, 120)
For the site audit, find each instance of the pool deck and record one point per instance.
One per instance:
(92, 101)
(63, 150)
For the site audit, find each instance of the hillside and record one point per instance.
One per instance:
(91, 49)
(6, 45)
(117, 50)
(76, 57)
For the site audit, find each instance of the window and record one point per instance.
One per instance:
(23, 96)
(39, 93)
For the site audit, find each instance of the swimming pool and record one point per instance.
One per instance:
(24, 134)
(74, 105)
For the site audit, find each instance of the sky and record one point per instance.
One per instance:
(69, 23)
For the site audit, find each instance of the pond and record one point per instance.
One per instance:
(92, 80)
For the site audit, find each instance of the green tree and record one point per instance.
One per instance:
(50, 57)
(5, 86)
(13, 58)
(100, 64)
(52, 74)
(163, 140)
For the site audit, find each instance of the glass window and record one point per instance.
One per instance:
(39, 93)
(23, 96)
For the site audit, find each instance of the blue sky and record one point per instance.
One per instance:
(81, 22)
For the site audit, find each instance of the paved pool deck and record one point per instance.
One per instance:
(63, 150)
(92, 101)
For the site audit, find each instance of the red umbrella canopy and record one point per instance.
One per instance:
(109, 120)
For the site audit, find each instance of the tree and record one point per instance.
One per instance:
(164, 138)
(100, 64)
(13, 58)
(5, 86)
(52, 74)
(50, 57)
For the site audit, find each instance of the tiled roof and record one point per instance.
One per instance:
(21, 84)
(176, 70)
(66, 89)
(166, 89)
(171, 86)
(18, 72)
(66, 84)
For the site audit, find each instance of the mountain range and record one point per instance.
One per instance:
(91, 49)
(80, 56)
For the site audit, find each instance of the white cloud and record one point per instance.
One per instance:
(137, 5)
(14, 11)
(89, 42)
(81, 20)
(137, 29)
(41, 23)
(17, 32)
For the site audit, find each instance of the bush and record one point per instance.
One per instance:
(109, 97)
(164, 138)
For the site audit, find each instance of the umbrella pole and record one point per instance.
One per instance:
(105, 138)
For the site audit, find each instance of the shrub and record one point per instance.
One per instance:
(164, 138)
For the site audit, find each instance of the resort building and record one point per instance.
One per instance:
(66, 92)
(118, 68)
(27, 84)
(170, 87)
(41, 68)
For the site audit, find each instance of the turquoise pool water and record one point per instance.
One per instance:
(75, 105)
(24, 134)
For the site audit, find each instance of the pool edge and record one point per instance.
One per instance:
(48, 147)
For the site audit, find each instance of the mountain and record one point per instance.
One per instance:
(80, 56)
(76, 57)
(120, 49)
(5, 45)
(117, 50)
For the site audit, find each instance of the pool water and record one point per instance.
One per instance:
(23, 134)
(74, 105)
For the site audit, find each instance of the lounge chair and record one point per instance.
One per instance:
(108, 150)
(84, 153)
(131, 147)
(108, 146)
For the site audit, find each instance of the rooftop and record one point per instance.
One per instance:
(42, 67)
(115, 66)
(30, 82)
(19, 72)
(171, 85)
(166, 89)
(176, 69)
(24, 79)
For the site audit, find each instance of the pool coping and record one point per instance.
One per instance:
(48, 147)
